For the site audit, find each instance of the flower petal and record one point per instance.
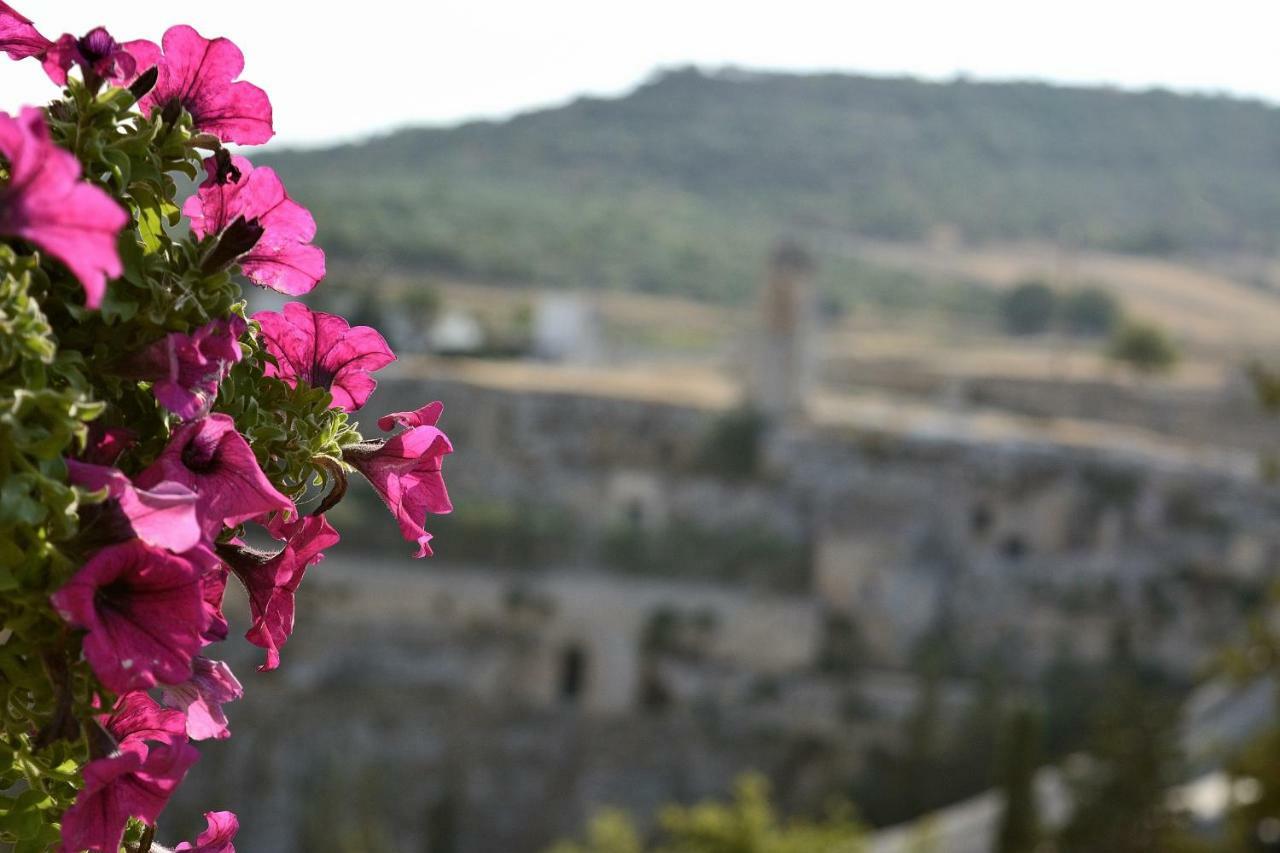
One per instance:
(272, 579)
(46, 202)
(18, 37)
(201, 698)
(211, 458)
(164, 516)
(428, 415)
(199, 73)
(405, 471)
(143, 609)
(324, 351)
(217, 838)
(283, 257)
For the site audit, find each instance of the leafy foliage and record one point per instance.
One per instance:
(1089, 312)
(1144, 347)
(1019, 823)
(747, 824)
(1028, 308)
(63, 368)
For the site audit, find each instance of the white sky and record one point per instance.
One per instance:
(336, 70)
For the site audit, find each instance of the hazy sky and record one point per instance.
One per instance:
(338, 70)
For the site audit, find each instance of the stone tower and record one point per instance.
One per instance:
(782, 352)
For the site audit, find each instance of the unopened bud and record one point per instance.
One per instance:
(145, 83)
(238, 238)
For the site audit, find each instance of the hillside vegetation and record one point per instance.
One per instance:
(681, 186)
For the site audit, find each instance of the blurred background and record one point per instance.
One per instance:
(853, 405)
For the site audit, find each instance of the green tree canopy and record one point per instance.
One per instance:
(1028, 309)
(1144, 347)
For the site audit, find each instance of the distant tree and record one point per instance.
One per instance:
(1020, 753)
(916, 778)
(1028, 308)
(1266, 385)
(747, 824)
(1121, 802)
(422, 301)
(733, 446)
(610, 831)
(677, 186)
(1254, 820)
(1144, 347)
(1089, 312)
(843, 648)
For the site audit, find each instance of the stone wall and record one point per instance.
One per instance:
(1020, 541)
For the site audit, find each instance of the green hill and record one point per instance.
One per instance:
(681, 186)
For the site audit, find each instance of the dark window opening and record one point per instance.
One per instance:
(655, 696)
(1014, 547)
(981, 519)
(573, 673)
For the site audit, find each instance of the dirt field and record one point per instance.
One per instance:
(1215, 312)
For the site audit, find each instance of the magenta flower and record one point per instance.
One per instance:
(217, 838)
(138, 717)
(269, 232)
(428, 415)
(214, 581)
(152, 739)
(186, 368)
(18, 37)
(405, 472)
(214, 460)
(324, 351)
(143, 610)
(99, 56)
(198, 73)
(164, 516)
(215, 588)
(201, 697)
(45, 202)
(135, 781)
(271, 580)
(105, 444)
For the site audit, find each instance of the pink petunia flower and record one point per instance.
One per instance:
(105, 444)
(198, 73)
(271, 232)
(187, 368)
(135, 781)
(18, 37)
(214, 460)
(324, 351)
(138, 717)
(217, 838)
(428, 415)
(45, 201)
(201, 698)
(99, 56)
(213, 579)
(271, 580)
(164, 516)
(405, 472)
(215, 589)
(143, 610)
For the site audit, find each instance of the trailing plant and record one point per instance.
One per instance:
(146, 421)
